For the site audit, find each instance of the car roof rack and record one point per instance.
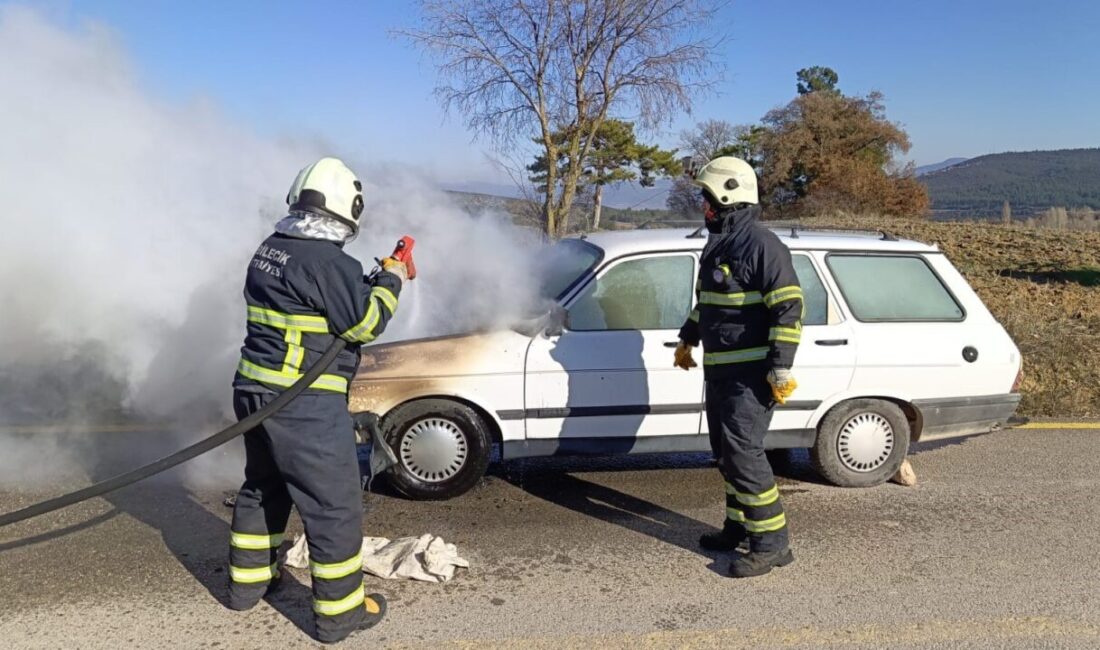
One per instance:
(666, 223)
(796, 227)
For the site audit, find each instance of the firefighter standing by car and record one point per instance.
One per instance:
(748, 317)
(302, 290)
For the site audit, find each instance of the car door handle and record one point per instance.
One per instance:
(671, 344)
(831, 341)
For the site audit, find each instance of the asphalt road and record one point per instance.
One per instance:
(997, 547)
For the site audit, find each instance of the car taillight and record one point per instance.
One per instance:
(1019, 379)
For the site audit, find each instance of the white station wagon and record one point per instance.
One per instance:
(896, 348)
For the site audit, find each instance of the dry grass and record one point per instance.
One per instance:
(1043, 286)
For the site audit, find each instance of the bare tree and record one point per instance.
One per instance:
(706, 141)
(519, 69)
(708, 138)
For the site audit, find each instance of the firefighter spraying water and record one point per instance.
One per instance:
(303, 293)
(310, 308)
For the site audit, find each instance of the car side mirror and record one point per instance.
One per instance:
(556, 321)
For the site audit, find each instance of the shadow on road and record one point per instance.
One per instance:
(61, 532)
(199, 541)
(932, 445)
(793, 466)
(614, 507)
(196, 537)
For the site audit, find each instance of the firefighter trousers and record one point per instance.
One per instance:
(739, 411)
(303, 455)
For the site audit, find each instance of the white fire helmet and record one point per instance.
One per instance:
(329, 188)
(728, 180)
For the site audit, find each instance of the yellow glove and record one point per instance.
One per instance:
(397, 267)
(782, 383)
(683, 357)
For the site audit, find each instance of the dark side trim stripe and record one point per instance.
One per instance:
(629, 409)
(778, 439)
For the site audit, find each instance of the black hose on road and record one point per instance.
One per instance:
(183, 455)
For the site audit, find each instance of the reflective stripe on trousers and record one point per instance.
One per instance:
(739, 409)
(282, 456)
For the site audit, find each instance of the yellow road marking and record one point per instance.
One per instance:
(1059, 425)
(83, 428)
(869, 636)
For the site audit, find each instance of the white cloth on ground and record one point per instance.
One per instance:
(427, 558)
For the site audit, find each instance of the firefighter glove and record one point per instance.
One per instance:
(683, 357)
(397, 267)
(782, 383)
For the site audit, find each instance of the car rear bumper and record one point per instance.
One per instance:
(962, 416)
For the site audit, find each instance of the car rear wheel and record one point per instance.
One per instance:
(861, 443)
(442, 448)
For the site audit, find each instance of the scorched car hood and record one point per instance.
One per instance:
(497, 352)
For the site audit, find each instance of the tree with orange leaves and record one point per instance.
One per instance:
(827, 151)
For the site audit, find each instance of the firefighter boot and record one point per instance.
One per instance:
(757, 563)
(374, 610)
(731, 536)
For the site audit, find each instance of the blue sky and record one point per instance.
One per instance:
(965, 77)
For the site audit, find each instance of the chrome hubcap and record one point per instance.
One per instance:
(433, 450)
(865, 442)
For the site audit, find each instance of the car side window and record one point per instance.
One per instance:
(815, 300)
(893, 288)
(651, 293)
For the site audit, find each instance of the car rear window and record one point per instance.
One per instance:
(893, 288)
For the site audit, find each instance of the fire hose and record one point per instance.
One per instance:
(403, 253)
(183, 455)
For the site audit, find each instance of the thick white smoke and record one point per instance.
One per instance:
(126, 224)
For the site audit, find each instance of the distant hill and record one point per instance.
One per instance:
(1031, 181)
(526, 213)
(935, 167)
(620, 195)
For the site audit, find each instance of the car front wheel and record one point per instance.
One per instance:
(861, 443)
(442, 448)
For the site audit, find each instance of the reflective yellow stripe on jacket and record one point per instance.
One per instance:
(785, 334)
(279, 320)
(363, 331)
(293, 325)
(735, 356)
(278, 378)
(783, 294)
(730, 299)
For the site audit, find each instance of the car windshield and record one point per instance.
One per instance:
(564, 263)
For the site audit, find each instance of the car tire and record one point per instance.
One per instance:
(861, 443)
(442, 448)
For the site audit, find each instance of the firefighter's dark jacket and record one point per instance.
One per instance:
(301, 293)
(748, 311)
